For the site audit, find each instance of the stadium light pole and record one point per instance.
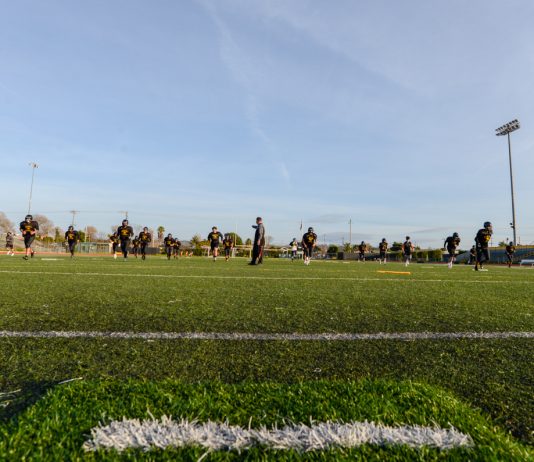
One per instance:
(506, 129)
(33, 165)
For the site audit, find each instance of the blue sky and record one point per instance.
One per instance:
(190, 114)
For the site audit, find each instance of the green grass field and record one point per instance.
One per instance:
(484, 387)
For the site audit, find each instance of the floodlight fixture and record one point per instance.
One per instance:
(508, 128)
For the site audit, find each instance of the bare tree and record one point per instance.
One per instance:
(91, 233)
(5, 224)
(46, 226)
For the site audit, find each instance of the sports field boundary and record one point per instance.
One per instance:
(240, 336)
(402, 278)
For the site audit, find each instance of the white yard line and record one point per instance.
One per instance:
(401, 278)
(214, 436)
(267, 336)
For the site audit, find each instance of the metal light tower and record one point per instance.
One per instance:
(33, 165)
(506, 129)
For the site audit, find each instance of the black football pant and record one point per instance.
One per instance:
(124, 247)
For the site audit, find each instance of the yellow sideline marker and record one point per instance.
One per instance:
(394, 272)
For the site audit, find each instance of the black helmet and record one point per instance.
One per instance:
(71, 227)
(455, 235)
(124, 221)
(363, 242)
(487, 224)
(28, 217)
(383, 239)
(310, 229)
(407, 238)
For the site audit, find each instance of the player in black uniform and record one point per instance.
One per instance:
(176, 248)
(361, 251)
(510, 250)
(136, 243)
(29, 228)
(125, 232)
(482, 240)
(228, 245)
(72, 237)
(168, 242)
(214, 237)
(472, 256)
(383, 249)
(114, 241)
(9, 243)
(451, 244)
(407, 251)
(145, 238)
(309, 241)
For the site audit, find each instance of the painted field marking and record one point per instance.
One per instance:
(266, 278)
(164, 433)
(293, 336)
(394, 272)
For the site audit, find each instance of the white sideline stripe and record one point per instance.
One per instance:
(267, 278)
(266, 336)
(214, 436)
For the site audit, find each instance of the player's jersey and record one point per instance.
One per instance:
(228, 243)
(125, 232)
(9, 239)
(214, 237)
(145, 238)
(483, 238)
(407, 247)
(71, 236)
(473, 252)
(294, 245)
(136, 242)
(452, 242)
(510, 249)
(177, 244)
(168, 242)
(383, 246)
(28, 228)
(114, 239)
(309, 239)
(362, 248)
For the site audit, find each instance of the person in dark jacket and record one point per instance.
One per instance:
(259, 242)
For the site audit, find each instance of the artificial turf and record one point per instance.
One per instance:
(198, 295)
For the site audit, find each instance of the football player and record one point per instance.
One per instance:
(361, 251)
(482, 240)
(383, 249)
(114, 241)
(9, 243)
(168, 242)
(472, 256)
(407, 250)
(294, 245)
(72, 237)
(228, 245)
(136, 243)
(451, 244)
(214, 237)
(125, 232)
(510, 250)
(176, 248)
(309, 241)
(145, 238)
(29, 228)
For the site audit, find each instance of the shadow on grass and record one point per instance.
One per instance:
(17, 401)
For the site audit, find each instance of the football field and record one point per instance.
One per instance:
(88, 342)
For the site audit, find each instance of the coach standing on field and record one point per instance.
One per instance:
(259, 242)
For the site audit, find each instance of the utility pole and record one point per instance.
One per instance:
(74, 212)
(33, 165)
(350, 233)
